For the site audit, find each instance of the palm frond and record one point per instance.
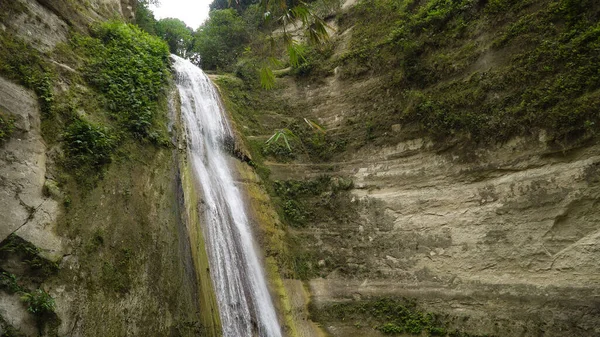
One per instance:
(314, 125)
(267, 78)
(301, 12)
(296, 53)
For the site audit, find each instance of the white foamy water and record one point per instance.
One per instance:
(244, 302)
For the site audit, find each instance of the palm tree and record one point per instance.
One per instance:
(285, 15)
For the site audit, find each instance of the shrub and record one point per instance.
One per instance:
(129, 67)
(279, 151)
(39, 302)
(314, 60)
(88, 148)
(221, 39)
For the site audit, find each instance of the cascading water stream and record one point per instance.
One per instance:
(244, 302)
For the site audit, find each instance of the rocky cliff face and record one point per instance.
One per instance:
(499, 240)
(490, 238)
(382, 226)
(110, 258)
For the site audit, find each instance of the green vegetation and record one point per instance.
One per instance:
(129, 67)
(280, 149)
(129, 70)
(29, 255)
(224, 4)
(221, 40)
(25, 65)
(42, 306)
(144, 18)
(315, 61)
(316, 143)
(302, 139)
(9, 283)
(242, 37)
(7, 126)
(177, 35)
(39, 302)
(33, 270)
(303, 200)
(486, 69)
(390, 316)
(88, 148)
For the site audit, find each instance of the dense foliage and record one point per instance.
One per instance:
(129, 67)
(88, 147)
(221, 40)
(177, 35)
(240, 5)
(175, 32)
(488, 69)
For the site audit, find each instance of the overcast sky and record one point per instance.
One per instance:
(192, 12)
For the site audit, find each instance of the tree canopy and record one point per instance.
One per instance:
(221, 39)
(177, 35)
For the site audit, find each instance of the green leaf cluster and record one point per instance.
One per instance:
(88, 148)
(130, 68)
(8, 282)
(221, 40)
(177, 35)
(39, 302)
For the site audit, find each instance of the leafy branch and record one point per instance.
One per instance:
(315, 29)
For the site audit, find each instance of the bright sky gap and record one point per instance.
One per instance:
(192, 12)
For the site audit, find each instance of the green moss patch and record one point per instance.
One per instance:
(389, 316)
(304, 200)
(28, 255)
(7, 126)
(486, 69)
(25, 65)
(31, 271)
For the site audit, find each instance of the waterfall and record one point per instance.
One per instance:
(244, 302)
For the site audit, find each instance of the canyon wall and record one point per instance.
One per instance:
(117, 255)
(395, 228)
